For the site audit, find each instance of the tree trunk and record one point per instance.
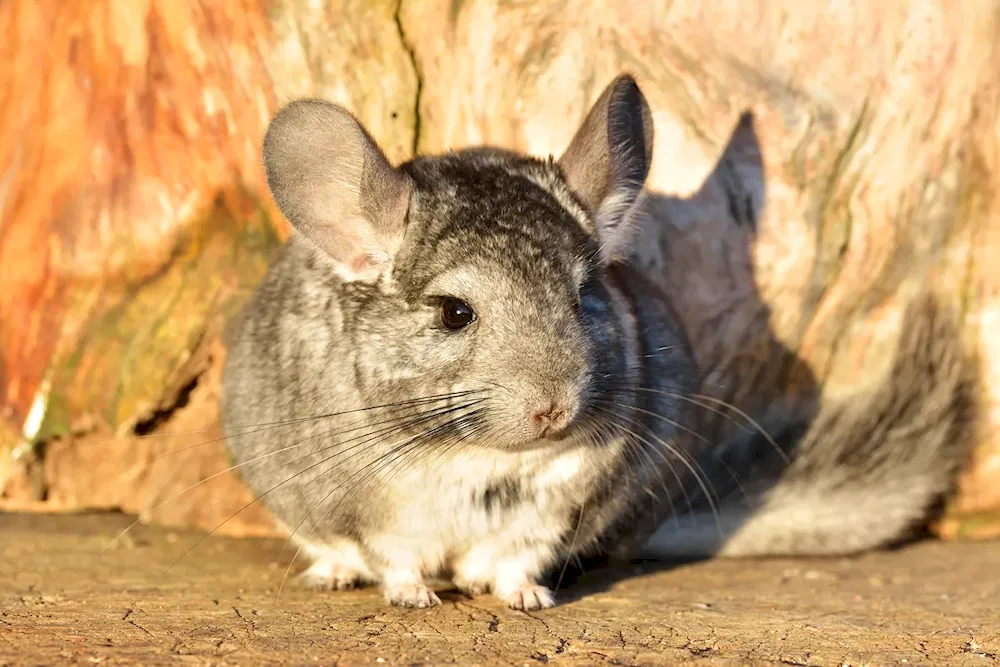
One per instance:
(134, 218)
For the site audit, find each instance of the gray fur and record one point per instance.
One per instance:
(864, 472)
(345, 330)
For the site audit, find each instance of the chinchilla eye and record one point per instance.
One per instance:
(455, 313)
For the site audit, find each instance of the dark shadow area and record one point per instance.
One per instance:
(762, 434)
(709, 237)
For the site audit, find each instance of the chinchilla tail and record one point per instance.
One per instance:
(864, 472)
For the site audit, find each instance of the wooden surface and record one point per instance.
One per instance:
(134, 219)
(64, 602)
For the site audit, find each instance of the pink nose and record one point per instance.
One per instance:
(549, 420)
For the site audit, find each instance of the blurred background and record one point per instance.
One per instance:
(135, 220)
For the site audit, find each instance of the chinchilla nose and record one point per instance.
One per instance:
(549, 417)
(549, 420)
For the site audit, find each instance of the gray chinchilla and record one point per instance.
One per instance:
(454, 368)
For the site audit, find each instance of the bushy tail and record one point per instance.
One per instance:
(863, 473)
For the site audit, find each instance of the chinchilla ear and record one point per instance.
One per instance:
(608, 160)
(336, 187)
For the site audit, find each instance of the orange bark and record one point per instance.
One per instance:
(134, 218)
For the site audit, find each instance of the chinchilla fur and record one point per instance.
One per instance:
(455, 369)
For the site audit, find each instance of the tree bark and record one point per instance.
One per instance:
(134, 218)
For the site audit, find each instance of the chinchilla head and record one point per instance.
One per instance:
(478, 271)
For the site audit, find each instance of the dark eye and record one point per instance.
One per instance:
(455, 313)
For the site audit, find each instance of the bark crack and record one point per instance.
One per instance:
(411, 52)
(127, 617)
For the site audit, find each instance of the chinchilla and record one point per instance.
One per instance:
(454, 368)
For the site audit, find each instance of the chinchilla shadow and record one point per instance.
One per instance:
(778, 470)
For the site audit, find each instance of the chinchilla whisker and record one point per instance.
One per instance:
(693, 468)
(736, 480)
(386, 426)
(572, 545)
(419, 439)
(423, 418)
(684, 366)
(299, 420)
(495, 385)
(687, 460)
(668, 420)
(443, 428)
(699, 474)
(281, 586)
(695, 400)
(634, 373)
(457, 439)
(267, 426)
(256, 459)
(396, 425)
(614, 420)
(634, 448)
(397, 406)
(603, 432)
(452, 438)
(622, 382)
(433, 398)
(630, 457)
(463, 436)
(607, 432)
(760, 429)
(715, 458)
(273, 488)
(658, 352)
(215, 475)
(409, 457)
(412, 443)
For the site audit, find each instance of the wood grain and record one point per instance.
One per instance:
(134, 220)
(64, 600)
(862, 138)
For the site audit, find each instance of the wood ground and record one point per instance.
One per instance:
(62, 601)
